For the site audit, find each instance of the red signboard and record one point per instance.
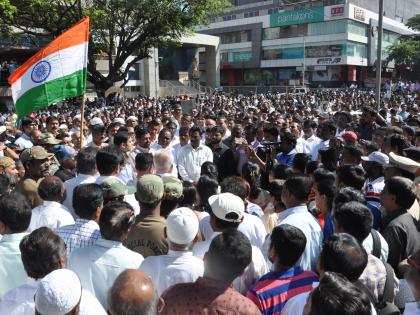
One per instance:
(337, 11)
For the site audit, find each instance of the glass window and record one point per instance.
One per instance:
(357, 28)
(285, 31)
(282, 53)
(324, 51)
(325, 28)
(356, 50)
(235, 37)
(234, 56)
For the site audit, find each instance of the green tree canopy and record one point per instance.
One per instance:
(119, 28)
(406, 52)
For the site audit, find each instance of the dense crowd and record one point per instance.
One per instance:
(241, 204)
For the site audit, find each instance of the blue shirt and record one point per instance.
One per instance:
(301, 218)
(328, 226)
(286, 159)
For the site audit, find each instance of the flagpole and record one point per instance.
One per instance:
(82, 120)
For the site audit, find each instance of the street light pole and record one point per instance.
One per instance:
(304, 61)
(379, 54)
(156, 66)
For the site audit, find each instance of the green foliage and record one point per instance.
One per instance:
(406, 52)
(7, 12)
(119, 28)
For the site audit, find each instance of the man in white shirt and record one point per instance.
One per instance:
(108, 163)
(294, 196)
(325, 132)
(179, 265)
(308, 134)
(25, 141)
(227, 213)
(126, 144)
(86, 174)
(51, 213)
(99, 265)
(43, 251)
(61, 292)
(15, 215)
(192, 156)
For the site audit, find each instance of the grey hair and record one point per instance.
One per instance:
(162, 161)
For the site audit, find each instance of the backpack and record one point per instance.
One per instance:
(384, 306)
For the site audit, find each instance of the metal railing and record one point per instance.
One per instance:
(202, 89)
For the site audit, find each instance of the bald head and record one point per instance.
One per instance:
(133, 293)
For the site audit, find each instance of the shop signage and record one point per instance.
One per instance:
(337, 11)
(359, 14)
(328, 61)
(297, 17)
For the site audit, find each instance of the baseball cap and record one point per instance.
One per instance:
(64, 152)
(377, 157)
(5, 162)
(181, 226)
(96, 121)
(150, 188)
(173, 187)
(349, 136)
(48, 138)
(113, 188)
(227, 207)
(35, 153)
(403, 162)
(58, 293)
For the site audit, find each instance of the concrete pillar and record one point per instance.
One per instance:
(151, 74)
(213, 66)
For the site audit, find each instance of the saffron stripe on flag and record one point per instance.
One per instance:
(62, 63)
(78, 34)
(53, 91)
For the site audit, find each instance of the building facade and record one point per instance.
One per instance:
(329, 43)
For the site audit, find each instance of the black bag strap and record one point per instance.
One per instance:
(376, 250)
(389, 293)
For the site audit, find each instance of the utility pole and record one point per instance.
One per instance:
(304, 61)
(379, 54)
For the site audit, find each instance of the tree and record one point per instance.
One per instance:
(406, 52)
(119, 28)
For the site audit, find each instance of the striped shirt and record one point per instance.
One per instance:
(274, 289)
(81, 234)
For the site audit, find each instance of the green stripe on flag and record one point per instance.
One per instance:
(39, 97)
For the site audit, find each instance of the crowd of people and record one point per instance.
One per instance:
(243, 204)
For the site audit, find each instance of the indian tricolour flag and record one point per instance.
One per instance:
(55, 73)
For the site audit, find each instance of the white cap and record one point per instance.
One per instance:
(377, 157)
(225, 204)
(182, 226)
(119, 120)
(78, 116)
(132, 118)
(63, 126)
(96, 121)
(2, 129)
(403, 162)
(58, 293)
